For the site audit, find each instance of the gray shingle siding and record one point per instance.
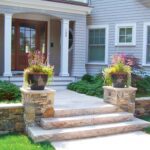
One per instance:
(112, 12)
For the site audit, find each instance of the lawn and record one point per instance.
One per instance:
(146, 118)
(21, 142)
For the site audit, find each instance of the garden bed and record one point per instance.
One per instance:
(93, 85)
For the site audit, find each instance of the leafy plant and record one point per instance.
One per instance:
(9, 92)
(118, 67)
(37, 64)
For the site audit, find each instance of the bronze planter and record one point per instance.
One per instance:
(37, 81)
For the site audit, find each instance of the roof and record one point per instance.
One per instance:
(69, 2)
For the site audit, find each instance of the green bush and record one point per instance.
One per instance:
(94, 85)
(88, 78)
(9, 91)
(89, 85)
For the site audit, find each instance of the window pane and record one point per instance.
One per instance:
(96, 53)
(97, 45)
(122, 31)
(122, 39)
(148, 54)
(129, 31)
(128, 39)
(91, 37)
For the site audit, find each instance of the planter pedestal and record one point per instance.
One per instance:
(37, 105)
(124, 98)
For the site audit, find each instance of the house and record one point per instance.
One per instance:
(76, 36)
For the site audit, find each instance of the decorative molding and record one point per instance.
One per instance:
(48, 5)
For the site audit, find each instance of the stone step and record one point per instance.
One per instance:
(68, 112)
(39, 134)
(77, 121)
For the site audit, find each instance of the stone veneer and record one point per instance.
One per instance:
(11, 118)
(37, 105)
(124, 98)
(142, 106)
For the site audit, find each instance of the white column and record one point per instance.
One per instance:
(64, 47)
(7, 44)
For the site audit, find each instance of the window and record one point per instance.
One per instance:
(146, 46)
(125, 35)
(97, 45)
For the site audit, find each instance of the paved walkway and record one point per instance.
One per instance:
(135, 140)
(70, 99)
(129, 141)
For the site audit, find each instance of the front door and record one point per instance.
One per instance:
(27, 36)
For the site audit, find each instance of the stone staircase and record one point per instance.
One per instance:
(57, 83)
(78, 123)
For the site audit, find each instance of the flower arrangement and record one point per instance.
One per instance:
(38, 67)
(118, 73)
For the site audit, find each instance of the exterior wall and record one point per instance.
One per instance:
(1, 44)
(79, 52)
(112, 12)
(142, 106)
(11, 118)
(55, 27)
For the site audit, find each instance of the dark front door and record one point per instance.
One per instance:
(27, 36)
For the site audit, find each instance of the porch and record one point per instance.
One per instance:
(25, 32)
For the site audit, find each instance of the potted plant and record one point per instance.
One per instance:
(118, 74)
(38, 74)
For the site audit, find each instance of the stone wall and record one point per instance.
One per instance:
(11, 118)
(142, 106)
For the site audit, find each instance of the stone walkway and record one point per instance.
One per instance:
(135, 140)
(70, 99)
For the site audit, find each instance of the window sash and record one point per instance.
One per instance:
(125, 36)
(97, 45)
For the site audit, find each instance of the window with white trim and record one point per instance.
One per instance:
(97, 45)
(146, 46)
(125, 35)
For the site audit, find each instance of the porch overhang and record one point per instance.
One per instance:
(49, 5)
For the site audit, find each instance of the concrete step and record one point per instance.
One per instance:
(77, 121)
(68, 112)
(57, 82)
(39, 134)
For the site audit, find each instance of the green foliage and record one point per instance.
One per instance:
(21, 142)
(87, 86)
(146, 118)
(38, 69)
(88, 78)
(143, 86)
(9, 92)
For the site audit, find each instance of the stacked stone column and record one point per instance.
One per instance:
(124, 98)
(37, 105)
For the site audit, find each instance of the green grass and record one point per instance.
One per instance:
(21, 142)
(9, 102)
(146, 118)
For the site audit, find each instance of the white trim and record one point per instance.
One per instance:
(118, 26)
(96, 63)
(7, 44)
(146, 24)
(48, 40)
(48, 5)
(106, 27)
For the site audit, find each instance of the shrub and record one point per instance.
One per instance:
(9, 91)
(89, 85)
(88, 78)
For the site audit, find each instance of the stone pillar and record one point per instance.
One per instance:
(37, 105)
(7, 44)
(124, 98)
(64, 47)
